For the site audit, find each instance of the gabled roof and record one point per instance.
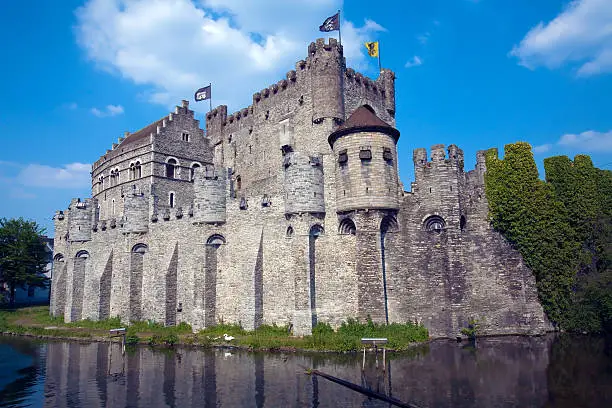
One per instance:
(364, 120)
(137, 136)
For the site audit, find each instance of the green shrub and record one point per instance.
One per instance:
(131, 339)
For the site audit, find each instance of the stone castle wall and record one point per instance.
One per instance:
(272, 228)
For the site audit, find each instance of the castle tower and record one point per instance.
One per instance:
(303, 183)
(80, 219)
(388, 80)
(366, 168)
(327, 66)
(367, 192)
(209, 190)
(135, 212)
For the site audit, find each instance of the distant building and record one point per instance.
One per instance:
(289, 211)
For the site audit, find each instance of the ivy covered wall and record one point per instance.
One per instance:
(563, 229)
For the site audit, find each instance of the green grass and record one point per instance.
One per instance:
(324, 338)
(346, 338)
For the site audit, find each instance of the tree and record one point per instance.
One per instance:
(23, 256)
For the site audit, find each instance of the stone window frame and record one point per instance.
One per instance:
(140, 248)
(347, 227)
(171, 199)
(82, 254)
(192, 168)
(365, 153)
(388, 155)
(434, 223)
(185, 136)
(343, 157)
(176, 174)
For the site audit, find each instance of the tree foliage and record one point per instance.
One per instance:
(561, 226)
(23, 255)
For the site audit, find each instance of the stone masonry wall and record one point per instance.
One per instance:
(253, 241)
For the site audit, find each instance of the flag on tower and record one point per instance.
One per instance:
(372, 48)
(331, 23)
(203, 94)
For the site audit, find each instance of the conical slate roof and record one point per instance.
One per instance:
(363, 120)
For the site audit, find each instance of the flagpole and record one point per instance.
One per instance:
(210, 99)
(379, 65)
(339, 26)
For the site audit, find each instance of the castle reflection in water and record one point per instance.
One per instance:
(498, 372)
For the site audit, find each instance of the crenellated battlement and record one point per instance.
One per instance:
(452, 155)
(320, 48)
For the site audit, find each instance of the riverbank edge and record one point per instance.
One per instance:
(199, 346)
(282, 349)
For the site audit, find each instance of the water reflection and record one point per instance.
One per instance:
(539, 372)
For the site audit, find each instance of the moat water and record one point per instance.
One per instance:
(552, 371)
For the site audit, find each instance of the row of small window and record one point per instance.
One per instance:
(135, 172)
(173, 169)
(365, 154)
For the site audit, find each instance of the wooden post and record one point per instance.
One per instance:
(363, 364)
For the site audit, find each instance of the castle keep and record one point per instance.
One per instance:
(289, 211)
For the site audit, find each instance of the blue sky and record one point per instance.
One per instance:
(477, 73)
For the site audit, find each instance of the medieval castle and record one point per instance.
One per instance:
(289, 211)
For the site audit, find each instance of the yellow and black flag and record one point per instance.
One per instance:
(372, 48)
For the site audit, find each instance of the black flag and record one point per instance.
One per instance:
(203, 94)
(331, 23)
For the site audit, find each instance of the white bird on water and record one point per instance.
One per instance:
(228, 338)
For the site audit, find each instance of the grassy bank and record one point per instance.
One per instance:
(36, 321)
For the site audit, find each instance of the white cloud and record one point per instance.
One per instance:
(542, 148)
(174, 47)
(414, 62)
(110, 110)
(581, 34)
(588, 141)
(74, 175)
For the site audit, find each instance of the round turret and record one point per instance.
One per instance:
(327, 66)
(303, 184)
(135, 213)
(209, 191)
(366, 163)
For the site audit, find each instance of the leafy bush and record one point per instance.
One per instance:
(562, 228)
(131, 339)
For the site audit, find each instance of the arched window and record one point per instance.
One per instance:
(101, 183)
(290, 231)
(138, 170)
(117, 176)
(192, 172)
(171, 200)
(347, 227)
(435, 223)
(215, 240)
(389, 224)
(81, 254)
(58, 258)
(132, 171)
(462, 222)
(171, 168)
(316, 231)
(238, 183)
(140, 248)
(113, 207)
